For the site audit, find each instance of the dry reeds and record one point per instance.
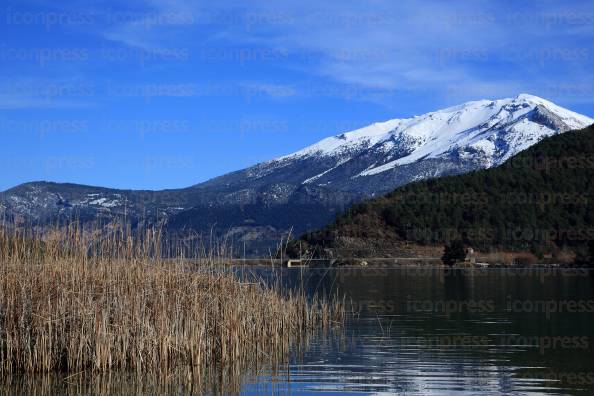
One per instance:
(69, 303)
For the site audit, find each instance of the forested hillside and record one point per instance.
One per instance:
(540, 200)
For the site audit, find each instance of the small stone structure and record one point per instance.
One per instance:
(470, 257)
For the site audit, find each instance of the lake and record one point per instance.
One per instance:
(416, 331)
(426, 331)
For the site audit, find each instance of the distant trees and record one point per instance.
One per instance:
(453, 253)
(294, 249)
(585, 257)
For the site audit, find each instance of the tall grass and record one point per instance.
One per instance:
(71, 302)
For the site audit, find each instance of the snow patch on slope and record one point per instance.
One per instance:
(348, 142)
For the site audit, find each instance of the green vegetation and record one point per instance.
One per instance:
(541, 200)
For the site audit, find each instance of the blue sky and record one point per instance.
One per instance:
(164, 94)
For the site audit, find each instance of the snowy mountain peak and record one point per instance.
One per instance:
(527, 96)
(485, 132)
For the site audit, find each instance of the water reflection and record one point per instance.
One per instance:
(420, 331)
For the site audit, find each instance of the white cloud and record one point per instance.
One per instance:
(481, 47)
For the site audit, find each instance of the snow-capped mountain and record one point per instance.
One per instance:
(304, 190)
(478, 134)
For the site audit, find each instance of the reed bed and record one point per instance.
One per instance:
(73, 303)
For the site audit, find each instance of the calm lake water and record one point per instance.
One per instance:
(419, 332)
(425, 332)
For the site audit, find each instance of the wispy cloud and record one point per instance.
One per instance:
(392, 45)
(157, 24)
(494, 48)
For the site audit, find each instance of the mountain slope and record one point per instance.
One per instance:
(305, 189)
(541, 199)
(379, 157)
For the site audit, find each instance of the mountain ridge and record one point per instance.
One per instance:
(320, 180)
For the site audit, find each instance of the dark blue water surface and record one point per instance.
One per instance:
(430, 331)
